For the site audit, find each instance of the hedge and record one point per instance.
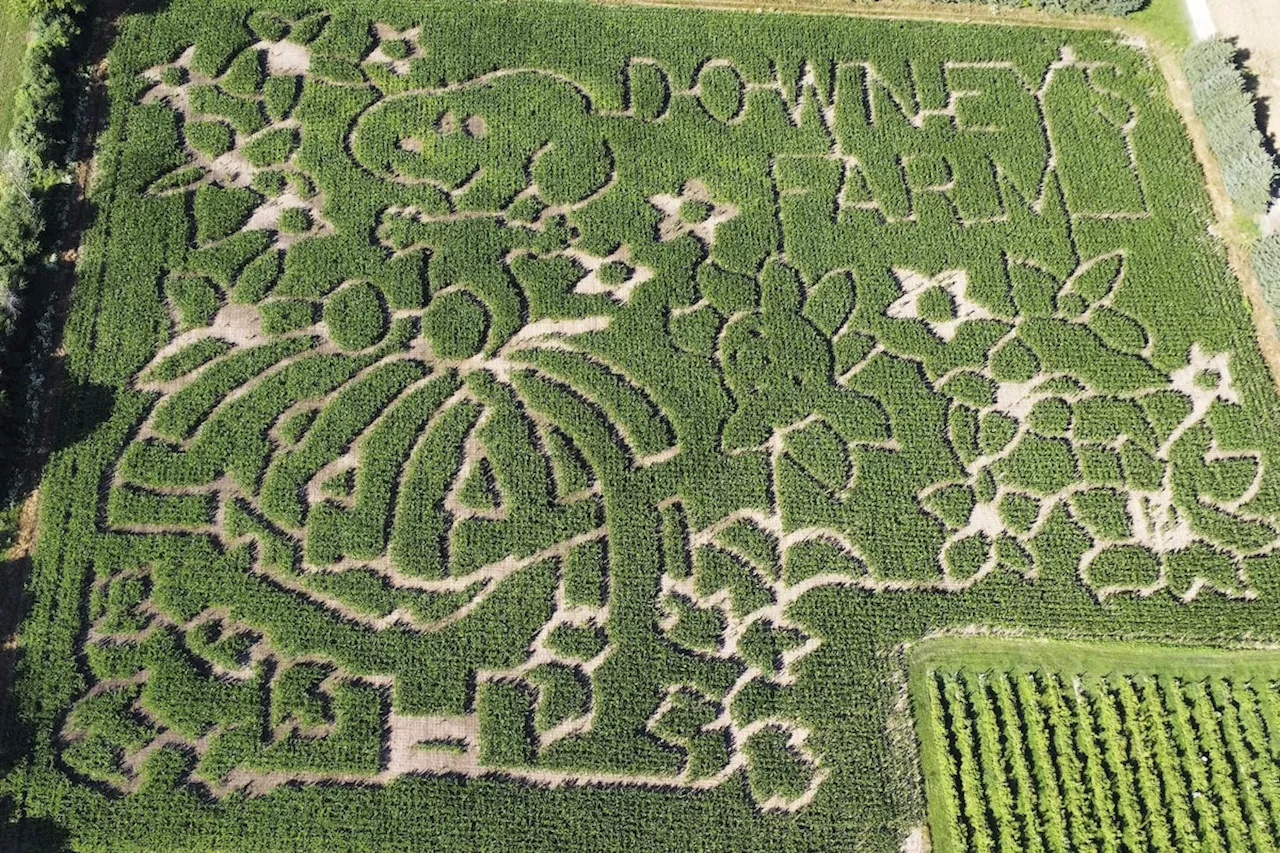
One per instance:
(32, 166)
(1229, 114)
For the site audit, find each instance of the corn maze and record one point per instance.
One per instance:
(536, 425)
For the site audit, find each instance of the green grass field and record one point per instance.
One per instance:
(536, 426)
(1165, 20)
(13, 37)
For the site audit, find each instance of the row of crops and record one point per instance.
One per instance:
(1054, 761)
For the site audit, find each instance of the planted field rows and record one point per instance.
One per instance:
(464, 411)
(1042, 759)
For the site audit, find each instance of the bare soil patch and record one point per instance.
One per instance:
(286, 57)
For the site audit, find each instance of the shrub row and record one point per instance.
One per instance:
(1229, 114)
(31, 169)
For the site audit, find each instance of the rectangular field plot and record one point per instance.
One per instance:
(1035, 746)
(533, 425)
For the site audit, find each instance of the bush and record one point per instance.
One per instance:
(270, 182)
(395, 48)
(279, 96)
(271, 147)
(294, 220)
(287, 315)
(30, 168)
(267, 27)
(245, 74)
(455, 323)
(195, 298)
(211, 138)
(1230, 118)
(188, 358)
(222, 212)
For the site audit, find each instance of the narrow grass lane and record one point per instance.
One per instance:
(13, 35)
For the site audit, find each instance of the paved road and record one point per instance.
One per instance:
(1201, 18)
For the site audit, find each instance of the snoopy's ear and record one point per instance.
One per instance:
(572, 167)
(1096, 278)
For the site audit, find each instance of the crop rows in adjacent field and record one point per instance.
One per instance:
(1044, 761)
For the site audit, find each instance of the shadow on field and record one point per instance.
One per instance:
(30, 835)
